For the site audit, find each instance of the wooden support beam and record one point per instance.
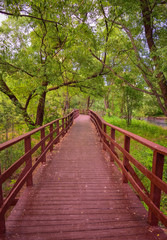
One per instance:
(104, 138)
(125, 159)
(155, 193)
(51, 137)
(111, 144)
(43, 144)
(27, 144)
(2, 217)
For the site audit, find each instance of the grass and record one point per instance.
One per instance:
(142, 153)
(142, 128)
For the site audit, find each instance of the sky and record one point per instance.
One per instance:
(2, 17)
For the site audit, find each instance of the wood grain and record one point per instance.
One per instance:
(78, 194)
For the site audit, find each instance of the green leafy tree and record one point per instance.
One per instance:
(40, 54)
(134, 44)
(49, 45)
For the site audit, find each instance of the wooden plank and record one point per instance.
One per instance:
(125, 159)
(79, 195)
(155, 193)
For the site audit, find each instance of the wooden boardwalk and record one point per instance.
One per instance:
(78, 194)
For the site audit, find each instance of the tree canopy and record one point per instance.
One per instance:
(64, 49)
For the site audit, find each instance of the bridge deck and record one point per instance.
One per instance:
(78, 194)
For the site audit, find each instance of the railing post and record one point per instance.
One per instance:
(27, 146)
(125, 159)
(63, 127)
(100, 123)
(2, 217)
(104, 138)
(51, 137)
(155, 193)
(71, 119)
(111, 144)
(43, 144)
(66, 124)
(57, 132)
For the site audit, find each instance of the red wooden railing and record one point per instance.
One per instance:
(58, 127)
(153, 198)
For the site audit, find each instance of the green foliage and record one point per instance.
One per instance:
(11, 125)
(52, 45)
(142, 153)
(69, 54)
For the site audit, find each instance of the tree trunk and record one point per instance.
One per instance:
(146, 12)
(67, 102)
(40, 110)
(88, 103)
(106, 103)
(41, 105)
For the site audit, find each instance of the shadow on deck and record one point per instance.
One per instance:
(79, 194)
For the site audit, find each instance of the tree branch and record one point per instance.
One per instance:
(5, 89)
(128, 32)
(29, 98)
(18, 68)
(30, 16)
(61, 47)
(122, 78)
(62, 85)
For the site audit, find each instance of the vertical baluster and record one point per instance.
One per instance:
(63, 127)
(27, 146)
(72, 118)
(100, 124)
(125, 159)
(51, 137)
(104, 138)
(155, 193)
(43, 144)
(111, 144)
(2, 217)
(66, 124)
(57, 131)
(69, 121)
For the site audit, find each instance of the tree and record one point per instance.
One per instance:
(138, 29)
(41, 53)
(52, 45)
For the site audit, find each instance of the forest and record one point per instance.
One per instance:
(106, 55)
(59, 55)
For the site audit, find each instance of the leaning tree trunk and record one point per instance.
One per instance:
(40, 109)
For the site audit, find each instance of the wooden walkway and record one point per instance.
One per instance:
(78, 194)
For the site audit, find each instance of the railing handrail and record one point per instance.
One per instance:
(153, 198)
(23, 136)
(144, 141)
(26, 174)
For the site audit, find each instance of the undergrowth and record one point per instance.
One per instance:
(142, 153)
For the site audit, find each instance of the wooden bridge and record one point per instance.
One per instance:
(78, 192)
